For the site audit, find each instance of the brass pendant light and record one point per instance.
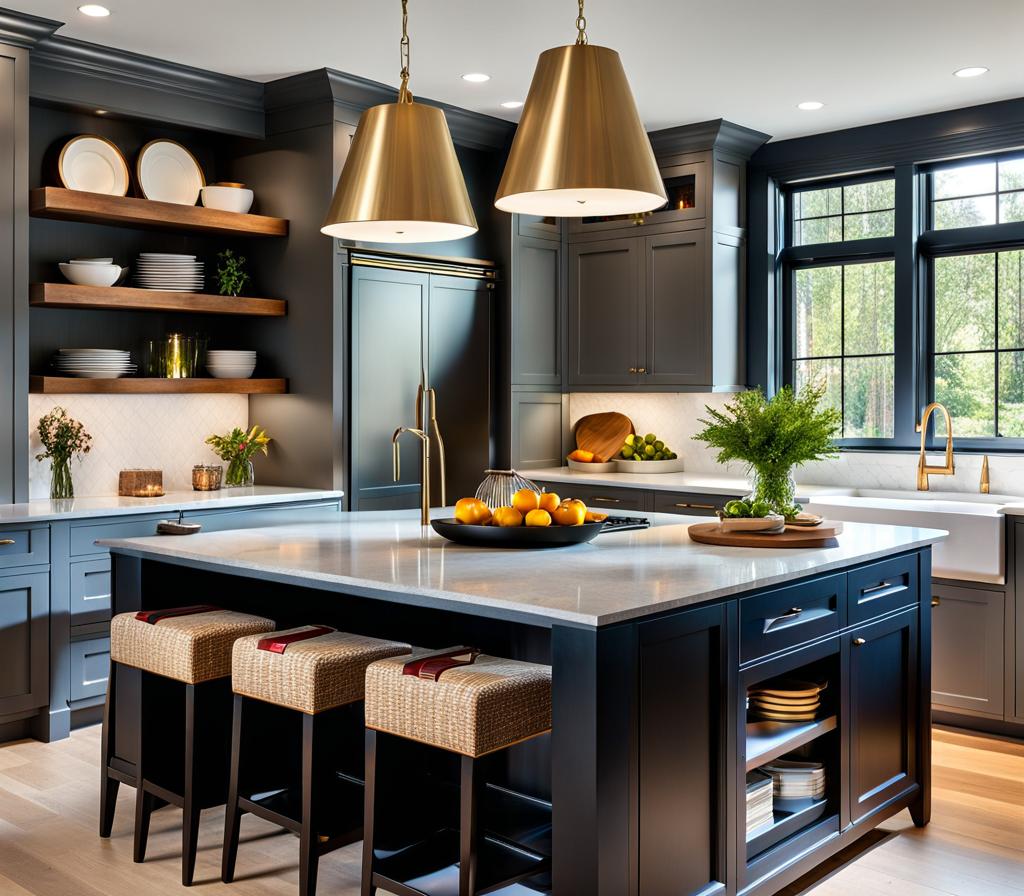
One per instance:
(401, 182)
(580, 148)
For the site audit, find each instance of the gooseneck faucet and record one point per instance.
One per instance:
(923, 470)
(420, 432)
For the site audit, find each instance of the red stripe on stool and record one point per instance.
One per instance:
(432, 666)
(154, 616)
(278, 643)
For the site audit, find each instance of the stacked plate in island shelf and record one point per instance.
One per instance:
(93, 363)
(786, 700)
(230, 365)
(168, 272)
(795, 783)
(760, 806)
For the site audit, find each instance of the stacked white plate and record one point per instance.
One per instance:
(230, 365)
(796, 783)
(93, 363)
(171, 273)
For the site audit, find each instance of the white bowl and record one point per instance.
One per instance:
(228, 199)
(91, 274)
(91, 261)
(650, 466)
(231, 373)
(608, 467)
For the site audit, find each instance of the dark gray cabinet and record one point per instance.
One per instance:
(538, 313)
(24, 635)
(676, 320)
(538, 429)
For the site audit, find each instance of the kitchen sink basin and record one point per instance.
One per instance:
(975, 548)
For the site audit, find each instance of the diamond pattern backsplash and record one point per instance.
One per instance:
(161, 432)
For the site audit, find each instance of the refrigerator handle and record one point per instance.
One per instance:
(419, 406)
(440, 442)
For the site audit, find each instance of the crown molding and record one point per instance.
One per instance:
(22, 30)
(73, 72)
(717, 134)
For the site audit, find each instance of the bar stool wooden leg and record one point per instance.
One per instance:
(309, 844)
(468, 839)
(369, 805)
(232, 814)
(143, 801)
(192, 804)
(108, 784)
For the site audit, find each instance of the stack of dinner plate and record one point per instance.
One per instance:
(785, 701)
(93, 363)
(795, 783)
(760, 812)
(230, 365)
(171, 273)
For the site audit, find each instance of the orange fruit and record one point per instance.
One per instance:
(525, 500)
(570, 513)
(595, 516)
(582, 455)
(549, 501)
(538, 518)
(507, 516)
(472, 511)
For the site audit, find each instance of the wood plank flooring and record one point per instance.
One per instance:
(49, 795)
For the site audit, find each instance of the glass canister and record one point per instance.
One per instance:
(153, 358)
(207, 477)
(176, 356)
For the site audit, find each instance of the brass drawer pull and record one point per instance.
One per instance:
(688, 506)
(633, 370)
(607, 500)
(7, 541)
(641, 370)
(936, 601)
(859, 642)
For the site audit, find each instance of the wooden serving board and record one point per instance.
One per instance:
(604, 434)
(823, 536)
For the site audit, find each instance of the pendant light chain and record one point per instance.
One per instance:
(404, 96)
(581, 27)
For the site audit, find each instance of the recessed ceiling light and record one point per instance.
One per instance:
(476, 77)
(972, 71)
(94, 10)
(511, 104)
(810, 106)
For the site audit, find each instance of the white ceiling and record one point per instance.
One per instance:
(750, 61)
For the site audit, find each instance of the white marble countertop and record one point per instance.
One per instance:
(698, 483)
(618, 576)
(112, 505)
(1012, 509)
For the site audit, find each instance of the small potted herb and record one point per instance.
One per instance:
(231, 275)
(772, 436)
(238, 448)
(63, 438)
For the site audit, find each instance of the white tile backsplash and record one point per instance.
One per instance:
(163, 432)
(674, 417)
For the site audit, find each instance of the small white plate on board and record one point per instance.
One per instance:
(93, 165)
(168, 172)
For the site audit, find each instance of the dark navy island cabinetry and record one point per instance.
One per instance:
(55, 604)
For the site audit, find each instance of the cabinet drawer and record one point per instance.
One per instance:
(24, 546)
(612, 499)
(90, 591)
(83, 538)
(90, 668)
(689, 504)
(881, 587)
(781, 619)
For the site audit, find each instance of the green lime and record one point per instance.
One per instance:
(627, 452)
(650, 438)
(659, 445)
(649, 450)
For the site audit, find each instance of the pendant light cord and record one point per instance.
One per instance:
(404, 96)
(581, 27)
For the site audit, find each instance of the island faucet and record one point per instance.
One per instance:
(420, 432)
(923, 470)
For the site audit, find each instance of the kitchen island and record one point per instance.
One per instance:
(653, 642)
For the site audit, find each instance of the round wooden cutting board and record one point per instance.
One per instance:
(823, 536)
(604, 434)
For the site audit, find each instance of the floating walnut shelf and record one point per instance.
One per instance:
(65, 385)
(122, 298)
(127, 211)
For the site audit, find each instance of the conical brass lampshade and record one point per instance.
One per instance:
(401, 182)
(581, 148)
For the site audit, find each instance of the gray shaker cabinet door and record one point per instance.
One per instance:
(538, 319)
(605, 280)
(677, 321)
(24, 641)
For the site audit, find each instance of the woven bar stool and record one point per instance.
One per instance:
(320, 673)
(185, 658)
(466, 703)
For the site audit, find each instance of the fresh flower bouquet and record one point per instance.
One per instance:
(238, 448)
(63, 438)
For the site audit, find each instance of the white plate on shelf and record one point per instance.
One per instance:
(650, 466)
(168, 172)
(94, 165)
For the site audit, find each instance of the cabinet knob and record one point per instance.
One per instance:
(859, 642)
(936, 601)
(633, 370)
(641, 370)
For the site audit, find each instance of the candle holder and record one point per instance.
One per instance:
(140, 484)
(207, 477)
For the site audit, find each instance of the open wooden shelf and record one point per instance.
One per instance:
(66, 385)
(782, 738)
(124, 298)
(127, 211)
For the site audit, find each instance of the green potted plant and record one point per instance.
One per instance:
(772, 436)
(63, 438)
(231, 275)
(238, 448)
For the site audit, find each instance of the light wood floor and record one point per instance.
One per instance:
(49, 847)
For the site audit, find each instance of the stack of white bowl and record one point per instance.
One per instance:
(92, 271)
(93, 363)
(168, 272)
(230, 365)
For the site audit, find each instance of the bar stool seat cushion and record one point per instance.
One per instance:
(192, 648)
(472, 710)
(311, 675)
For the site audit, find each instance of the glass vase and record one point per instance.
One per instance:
(240, 473)
(776, 488)
(61, 485)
